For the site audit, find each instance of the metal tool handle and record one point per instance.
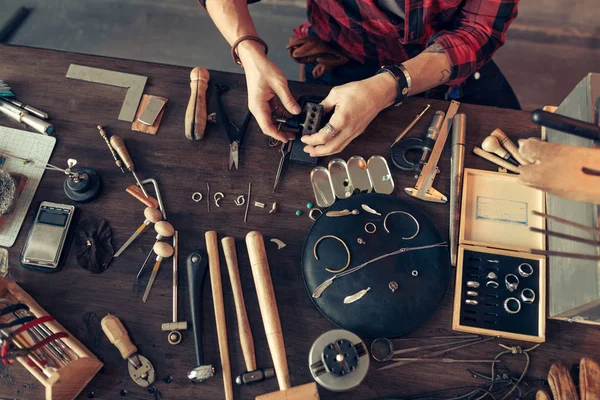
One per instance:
(117, 334)
(268, 306)
(197, 266)
(565, 124)
(457, 164)
(119, 145)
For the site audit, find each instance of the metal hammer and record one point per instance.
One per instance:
(197, 266)
(270, 316)
(252, 373)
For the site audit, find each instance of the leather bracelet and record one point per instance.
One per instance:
(234, 54)
(402, 79)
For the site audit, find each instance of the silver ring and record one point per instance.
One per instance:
(492, 276)
(471, 302)
(240, 200)
(492, 284)
(525, 270)
(415, 273)
(410, 215)
(473, 284)
(370, 224)
(218, 196)
(472, 293)
(512, 282)
(197, 197)
(510, 310)
(311, 215)
(393, 286)
(329, 129)
(528, 296)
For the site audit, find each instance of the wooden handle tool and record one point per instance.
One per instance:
(272, 323)
(118, 144)
(117, 334)
(163, 250)
(496, 160)
(136, 192)
(196, 114)
(246, 340)
(510, 146)
(214, 265)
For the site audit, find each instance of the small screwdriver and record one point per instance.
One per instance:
(119, 145)
(112, 151)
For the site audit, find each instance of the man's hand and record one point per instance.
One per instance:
(355, 105)
(265, 82)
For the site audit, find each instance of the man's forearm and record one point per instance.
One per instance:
(232, 18)
(429, 69)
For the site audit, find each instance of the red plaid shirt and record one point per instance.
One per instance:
(469, 31)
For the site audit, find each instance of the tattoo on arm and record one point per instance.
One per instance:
(445, 75)
(434, 48)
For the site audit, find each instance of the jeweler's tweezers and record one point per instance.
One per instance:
(434, 354)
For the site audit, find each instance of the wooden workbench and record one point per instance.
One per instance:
(79, 299)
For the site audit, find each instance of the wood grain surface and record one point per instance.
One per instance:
(79, 299)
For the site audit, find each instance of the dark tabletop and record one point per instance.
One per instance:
(79, 299)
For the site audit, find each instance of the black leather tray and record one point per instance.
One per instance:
(381, 312)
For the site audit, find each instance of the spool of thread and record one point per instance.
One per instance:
(491, 144)
(8, 192)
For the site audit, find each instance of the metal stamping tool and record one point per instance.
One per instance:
(423, 189)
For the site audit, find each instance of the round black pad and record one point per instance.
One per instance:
(381, 312)
(85, 190)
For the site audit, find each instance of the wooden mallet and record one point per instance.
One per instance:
(270, 316)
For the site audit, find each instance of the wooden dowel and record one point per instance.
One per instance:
(510, 146)
(565, 255)
(546, 232)
(567, 222)
(246, 340)
(214, 265)
(496, 160)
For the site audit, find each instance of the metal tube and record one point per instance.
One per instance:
(459, 134)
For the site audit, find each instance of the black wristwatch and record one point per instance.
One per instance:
(402, 78)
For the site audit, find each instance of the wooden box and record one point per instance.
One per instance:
(67, 381)
(496, 213)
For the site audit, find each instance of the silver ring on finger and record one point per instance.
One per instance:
(329, 129)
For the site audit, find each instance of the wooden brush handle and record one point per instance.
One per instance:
(214, 266)
(246, 340)
(268, 306)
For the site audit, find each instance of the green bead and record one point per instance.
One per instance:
(299, 213)
(309, 205)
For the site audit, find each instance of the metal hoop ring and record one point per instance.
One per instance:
(528, 299)
(197, 197)
(508, 310)
(492, 284)
(402, 212)
(492, 276)
(345, 247)
(415, 273)
(218, 196)
(312, 211)
(525, 270)
(370, 224)
(512, 282)
(240, 200)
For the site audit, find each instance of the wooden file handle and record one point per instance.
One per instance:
(509, 145)
(268, 306)
(119, 145)
(117, 334)
(195, 114)
(214, 266)
(246, 340)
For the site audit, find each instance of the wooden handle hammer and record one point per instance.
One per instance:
(270, 316)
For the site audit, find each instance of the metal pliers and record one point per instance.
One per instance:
(234, 134)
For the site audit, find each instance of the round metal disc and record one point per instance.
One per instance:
(381, 312)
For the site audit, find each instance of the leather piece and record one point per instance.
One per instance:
(381, 312)
(589, 379)
(309, 49)
(561, 384)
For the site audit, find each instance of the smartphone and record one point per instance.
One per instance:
(47, 236)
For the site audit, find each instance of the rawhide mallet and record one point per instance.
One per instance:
(270, 316)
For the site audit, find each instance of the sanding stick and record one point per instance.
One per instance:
(270, 316)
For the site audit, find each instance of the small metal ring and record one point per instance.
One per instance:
(313, 210)
(345, 246)
(471, 302)
(508, 309)
(528, 299)
(240, 200)
(218, 196)
(473, 284)
(525, 273)
(492, 284)
(512, 282)
(174, 337)
(393, 285)
(197, 197)
(274, 142)
(472, 293)
(369, 224)
(492, 276)
(402, 212)
(415, 273)
(361, 241)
